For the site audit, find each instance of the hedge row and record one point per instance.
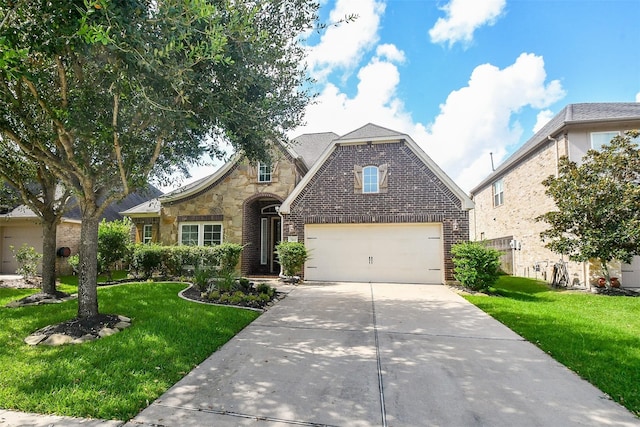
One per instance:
(174, 261)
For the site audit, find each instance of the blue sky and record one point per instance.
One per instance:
(467, 77)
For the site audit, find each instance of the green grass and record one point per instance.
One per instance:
(117, 376)
(596, 336)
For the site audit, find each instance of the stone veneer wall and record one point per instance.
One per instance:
(414, 195)
(225, 199)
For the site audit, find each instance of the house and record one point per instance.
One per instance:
(21, 225)
(509, 199)
(369, 205)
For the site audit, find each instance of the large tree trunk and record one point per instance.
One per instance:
(88, 268)
(49, 229)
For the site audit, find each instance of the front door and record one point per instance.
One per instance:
(276, 236)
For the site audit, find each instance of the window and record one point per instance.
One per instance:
(370, 179)
(498, 193)
(147, 233)
(264, 172)
(598, 139)
(201, 234)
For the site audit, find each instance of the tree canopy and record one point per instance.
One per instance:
(598, 204)
(107, 93)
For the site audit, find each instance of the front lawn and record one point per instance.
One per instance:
(117, 376)
(596, 336)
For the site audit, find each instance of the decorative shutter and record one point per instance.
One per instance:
(357, 179)
(383, 182)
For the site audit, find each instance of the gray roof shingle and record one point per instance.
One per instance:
(571, 114)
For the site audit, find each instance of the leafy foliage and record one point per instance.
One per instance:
(28, 259)
(114, 238)
(598, 204)
(475, 265)
(109, 93)
(292, 256)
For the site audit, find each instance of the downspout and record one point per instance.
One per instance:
(550, 138)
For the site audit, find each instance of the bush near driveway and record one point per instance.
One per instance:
(596, 336)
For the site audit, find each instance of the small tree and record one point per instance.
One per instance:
(598, 205)
(292, 256)
(28, 259)
(114, 238)
(476, 266)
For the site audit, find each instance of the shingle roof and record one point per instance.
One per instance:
(370, 131)
(571, 114)
(112, 212)
(310, 146)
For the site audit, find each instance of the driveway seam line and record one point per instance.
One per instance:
(248, 416)
(383, 409)
(466, 337)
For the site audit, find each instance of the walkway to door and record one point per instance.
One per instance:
(377, 355)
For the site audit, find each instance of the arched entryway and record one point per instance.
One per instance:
(261, 232)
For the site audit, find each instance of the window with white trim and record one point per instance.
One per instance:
(498, 193)
(264, 172)
(200, 234)
(147, 233)
(370, 179)
(598, 139)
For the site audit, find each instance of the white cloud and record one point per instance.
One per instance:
(477, 119)
(342, 46)
(638, 97)
(463, 17)
(390, 52)
(542, 119)
(474, 120)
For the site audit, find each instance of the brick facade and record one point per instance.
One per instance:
(414, 195)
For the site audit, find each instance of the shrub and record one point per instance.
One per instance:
(227, 256)
(28, 259)
(201, 278)
(264, 289)
(74, 262)
(114, 238)
(475, 265)
(292, 256)
(146, 259)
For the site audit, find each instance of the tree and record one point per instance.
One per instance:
(33, 184)
(133, 89)
(598, 205)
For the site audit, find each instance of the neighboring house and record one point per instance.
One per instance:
(370, 206)
(509, 199)
(21, 225)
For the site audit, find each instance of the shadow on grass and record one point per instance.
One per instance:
(117, 376)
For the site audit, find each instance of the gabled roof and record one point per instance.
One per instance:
(572, 114)
(111, 212)
(371, 132)
(305, 148)
(376, 134)
(310, 146)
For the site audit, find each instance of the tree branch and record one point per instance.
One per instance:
(116, 143)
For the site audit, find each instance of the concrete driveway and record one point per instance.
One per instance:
(377, 355)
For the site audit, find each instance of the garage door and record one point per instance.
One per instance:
(393, 253)
(15, 236)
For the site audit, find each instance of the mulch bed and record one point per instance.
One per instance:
(194, 294)
(77, 328)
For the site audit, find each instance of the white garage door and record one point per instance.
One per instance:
(631, 274)
(16, 236)
(394, 253)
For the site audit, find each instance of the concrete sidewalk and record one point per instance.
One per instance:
(376, 355)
